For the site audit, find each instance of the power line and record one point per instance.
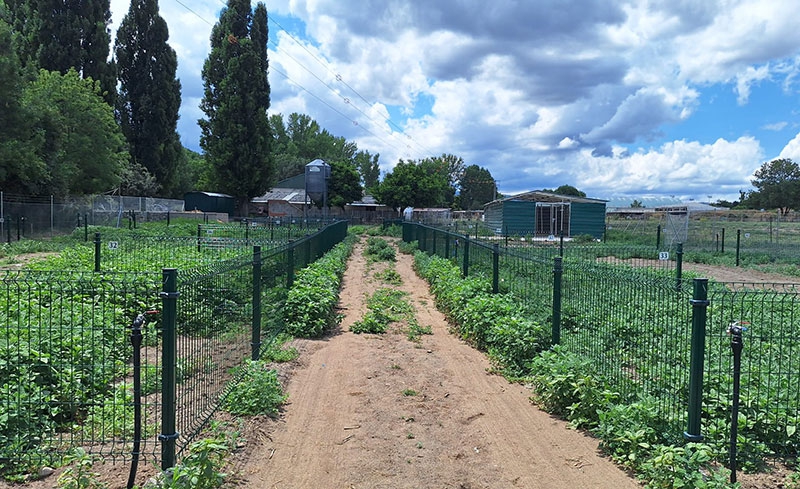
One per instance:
(299, 85)
(339, 79)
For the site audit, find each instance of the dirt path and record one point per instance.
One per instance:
(353, 421)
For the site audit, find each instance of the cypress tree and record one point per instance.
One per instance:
(236, 133)
(150, 95)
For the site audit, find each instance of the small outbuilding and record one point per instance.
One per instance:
(209, 202)
(545, 214)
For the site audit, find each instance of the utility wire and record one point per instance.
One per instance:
(341, 80)
(345, 99)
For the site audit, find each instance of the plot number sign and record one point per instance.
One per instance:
(113, 245)
(663, 255)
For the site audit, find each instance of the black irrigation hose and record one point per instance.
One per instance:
(136, 342)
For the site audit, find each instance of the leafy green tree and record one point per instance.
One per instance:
(236, 132)
(566, 190)
(477, 188)
(301, 140)
(412, 184)
(367, 165)
(777, 184)
(84, 146)
(344, 186)
(149, 94)
(22, 169)
(449, 167)
(636, 204)
(194, 172)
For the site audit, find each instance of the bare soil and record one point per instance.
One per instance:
(382, 411)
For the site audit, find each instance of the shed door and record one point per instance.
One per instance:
(551, 219)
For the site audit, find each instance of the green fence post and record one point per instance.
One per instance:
(307, 251)
(738, 244)
(558, 272)
(96, 252)
(433, 248)
(700, 305)
(722, 249)
(169, 360)
(256, 340)
(679, 266)
(658, 238)
(496, 269)
(199, 232)
(465, 265)
(423, 244)
(447, 245)
(290, 266)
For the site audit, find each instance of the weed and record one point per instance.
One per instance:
(275, 352)
(79, 474)
(415, 330)
(409, 392)
(257, 391)
(378, 249)
(389, 276)
(385, 306)
(201, 469)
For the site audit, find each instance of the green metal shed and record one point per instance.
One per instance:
(209, 202)
(544, 214)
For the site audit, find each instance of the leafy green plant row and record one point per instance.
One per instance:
(492, 322)
(310, 307)
(636, 434)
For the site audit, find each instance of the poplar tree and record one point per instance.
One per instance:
(236, 133)
(149, 95)
(63, 34)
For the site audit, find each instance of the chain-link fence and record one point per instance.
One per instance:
(31, 217)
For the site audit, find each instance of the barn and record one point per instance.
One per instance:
(544, 214)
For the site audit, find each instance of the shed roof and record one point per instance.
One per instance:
(208, 194)
(293, 195)
(539, 196)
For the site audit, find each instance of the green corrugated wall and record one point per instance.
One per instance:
(519, 217)
(587, 218)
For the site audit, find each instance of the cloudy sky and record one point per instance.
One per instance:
(622, 99)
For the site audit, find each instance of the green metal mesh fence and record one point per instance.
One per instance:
(635, 328)
(629, 310)
(64, 362)
(66, 375)
(769, 412)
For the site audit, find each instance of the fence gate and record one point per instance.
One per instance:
(676, 229)
(551, 219)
